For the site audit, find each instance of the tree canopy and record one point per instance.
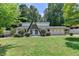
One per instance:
(29, 14)
(8, 14)
(57, 14)
(54, 14)
(71, 14)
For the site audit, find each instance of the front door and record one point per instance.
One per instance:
(34, 32)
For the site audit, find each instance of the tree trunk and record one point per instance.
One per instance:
(29, 26)
(37, 28)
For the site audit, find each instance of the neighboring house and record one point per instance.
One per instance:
(54, 30)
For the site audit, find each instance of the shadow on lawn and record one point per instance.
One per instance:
(72, 39)
(3, 49)
(72, 45)
(72, 42)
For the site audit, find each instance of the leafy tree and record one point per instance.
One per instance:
(28, 14)
(8, 14)
(54, 14)
(71, 14)
(33, 13)
(24, 10)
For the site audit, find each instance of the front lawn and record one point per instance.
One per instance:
(40, 46)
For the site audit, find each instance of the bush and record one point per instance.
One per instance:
(18, 35)
(5, 35)
(21, 32)
(19, 25)
(1, 35)
(43, 32)
(1, 30)
(23, 19)
(71, 34)
(8, 28)
(13, 25)
(48, 34)
(13, 31)
(27, 34)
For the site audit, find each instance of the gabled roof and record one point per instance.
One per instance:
(38, 24)
(33, 26)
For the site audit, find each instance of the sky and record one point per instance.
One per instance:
(40, 6)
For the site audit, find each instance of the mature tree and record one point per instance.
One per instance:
(46, 15)
(54, 14)
(39, 18)
(29, 14)
(8, 14)
(71, 14)
(33, 13)
(24, 10)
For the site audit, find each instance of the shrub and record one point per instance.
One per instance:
(1, 35)
(19, 25)
(7, 35)
(1, 30)
(71, 34)
(13, 31)
(18, 35)
(48, 34)
(27, 34)
(21, 32)
(13, 25)
(22, 19)
(43, 32)
(8, 28)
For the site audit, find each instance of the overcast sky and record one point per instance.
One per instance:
(40, 6)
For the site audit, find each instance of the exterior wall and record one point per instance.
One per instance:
(75, 31)
(33, 32)
(57, 31)
(43, 23)
(38, 24)
(25, 24)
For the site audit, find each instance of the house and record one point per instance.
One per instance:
(54, 30)
(74, 29)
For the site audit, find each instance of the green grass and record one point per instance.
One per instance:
(40, 46)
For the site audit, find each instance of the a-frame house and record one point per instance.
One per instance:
(33, 29)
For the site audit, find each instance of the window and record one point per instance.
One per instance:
(36, 31)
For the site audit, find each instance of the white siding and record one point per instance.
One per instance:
(57, 31)
(43, 23)
(38, 24)
(25, 24)
(75, 31)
